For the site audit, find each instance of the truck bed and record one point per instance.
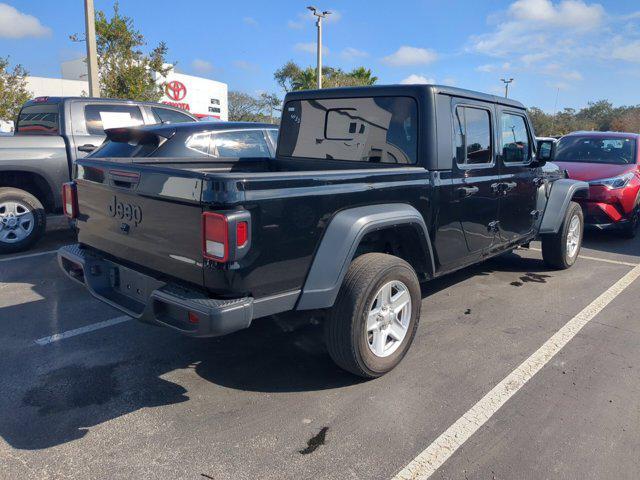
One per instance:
(147, 213)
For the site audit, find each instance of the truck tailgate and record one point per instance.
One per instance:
(147, 216)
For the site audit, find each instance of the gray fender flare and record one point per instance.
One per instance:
(562, 191)
(339, 244)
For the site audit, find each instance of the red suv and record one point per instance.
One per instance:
(610, 163)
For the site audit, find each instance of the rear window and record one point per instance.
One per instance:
(101, 117)
(112, 149)
(369, 129)
(39, 120)
(596, 149)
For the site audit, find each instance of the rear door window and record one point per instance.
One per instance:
(240, 143)
(472, 136)
(39, 120)
(368, 129)
(101, 117)
(516, 144)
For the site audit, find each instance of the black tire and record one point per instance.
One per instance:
(32, 204)
(630, 230)
(554, 246)
(346, 326)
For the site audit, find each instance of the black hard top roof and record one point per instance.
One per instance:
(395, 90)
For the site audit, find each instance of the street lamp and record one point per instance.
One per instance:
(506, 86)
(320, 15)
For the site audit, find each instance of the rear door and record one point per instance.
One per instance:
(90, 119)
(518, 183)
(475, 173)
(141, 214)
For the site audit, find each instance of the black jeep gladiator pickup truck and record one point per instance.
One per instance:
(373, 190)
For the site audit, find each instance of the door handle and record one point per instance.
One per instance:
(467, 191)
(88, 148)
(497, 188)
(509, 186)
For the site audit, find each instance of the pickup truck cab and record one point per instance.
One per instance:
(51, 134)
(372, 191)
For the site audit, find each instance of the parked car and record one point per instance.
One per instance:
(203, 140)
(372, 190)
(51, 134)
(609, 161)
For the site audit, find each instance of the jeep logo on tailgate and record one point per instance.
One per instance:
(125, 211)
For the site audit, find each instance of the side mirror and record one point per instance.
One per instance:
(545, 150)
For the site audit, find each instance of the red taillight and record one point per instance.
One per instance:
(242, 234)
(194, 319)
(226, 237)
(215, 236)
(70, 199)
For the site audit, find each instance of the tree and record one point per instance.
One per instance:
(124, 70)
(292, 77)
(246, 108)
(13, 89)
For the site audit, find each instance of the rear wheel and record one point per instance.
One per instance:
(22, 220)
(373, 322)
(560, 250)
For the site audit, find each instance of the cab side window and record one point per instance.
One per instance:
(164, 115)
(472, 136)
(516, 144)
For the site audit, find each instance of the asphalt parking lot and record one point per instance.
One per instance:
(88, 393)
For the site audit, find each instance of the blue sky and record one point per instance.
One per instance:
(580, 49)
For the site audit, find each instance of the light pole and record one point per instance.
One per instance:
(320, 16)
(92, 51)
(506, 86)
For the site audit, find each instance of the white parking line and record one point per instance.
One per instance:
(81, 330)
(29, 255)
(432, 458)
(597, 259)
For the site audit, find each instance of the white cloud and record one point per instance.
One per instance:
(310, 48)
(406, 56)
(15, 24)
(630, 52)
(539, 25)
(568, 13)
(295, 25)
(244, 65)
(351, 53)
(417, 79)
(494, 67)
(449, 81)
(250, 21)
(201, 66)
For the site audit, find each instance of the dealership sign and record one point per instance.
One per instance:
(176, 91)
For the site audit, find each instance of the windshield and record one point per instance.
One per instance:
(368, 129)
(38, 120)
(596, 149)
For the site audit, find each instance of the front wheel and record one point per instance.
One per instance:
(560, 250)
(373, 322)
(22, 220)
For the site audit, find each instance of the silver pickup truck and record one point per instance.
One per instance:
(51, 134)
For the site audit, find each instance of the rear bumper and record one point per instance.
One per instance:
(153, 301)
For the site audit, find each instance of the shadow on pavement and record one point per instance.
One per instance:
(64, 389)
(611, 242)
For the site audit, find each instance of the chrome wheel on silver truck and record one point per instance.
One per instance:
(22, 220)
(374, 319)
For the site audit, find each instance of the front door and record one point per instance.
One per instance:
(474, 174)
(518, 185)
